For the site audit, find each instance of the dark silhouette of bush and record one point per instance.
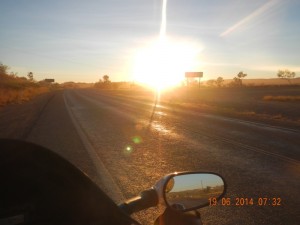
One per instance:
(238, 80)
(286, 74)
(104, 84)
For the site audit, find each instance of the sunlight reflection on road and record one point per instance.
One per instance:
(160, 106)
(161, 113)
(159, 127)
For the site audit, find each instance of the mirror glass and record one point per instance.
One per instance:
(187, 191)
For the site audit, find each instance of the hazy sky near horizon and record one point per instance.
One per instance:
(73, 40)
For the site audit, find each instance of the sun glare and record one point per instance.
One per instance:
(163, 63)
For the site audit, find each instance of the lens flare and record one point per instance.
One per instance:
(137, 140)
(163, 25)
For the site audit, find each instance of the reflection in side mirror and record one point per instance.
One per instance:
(189, 191)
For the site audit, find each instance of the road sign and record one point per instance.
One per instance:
(193, 74)
(49, 80)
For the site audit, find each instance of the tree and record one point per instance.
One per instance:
(103, 83)
(219, 81)
(106, 79)
(4, 72)
(3, 69)
(13, 74)
(241, 75)
(237, 81)
(30, 76)
(210, 83)
(286, 74)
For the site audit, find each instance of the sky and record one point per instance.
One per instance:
(75, 40)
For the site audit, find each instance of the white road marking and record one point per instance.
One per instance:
(107, 182)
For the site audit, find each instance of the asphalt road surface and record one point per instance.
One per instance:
(125, 145)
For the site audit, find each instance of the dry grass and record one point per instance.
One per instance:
(281, 98)
(9, 96)
(14, 89)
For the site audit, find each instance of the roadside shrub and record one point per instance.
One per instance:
(14, 89)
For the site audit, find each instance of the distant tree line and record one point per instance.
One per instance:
(106, 83)
(15, 89)
(237, 81)
(219, 82)
(12, 81)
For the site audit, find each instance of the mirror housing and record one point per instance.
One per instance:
(191, 190)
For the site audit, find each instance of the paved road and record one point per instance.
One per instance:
(94, 130)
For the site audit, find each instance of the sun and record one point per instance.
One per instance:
(162, 63)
